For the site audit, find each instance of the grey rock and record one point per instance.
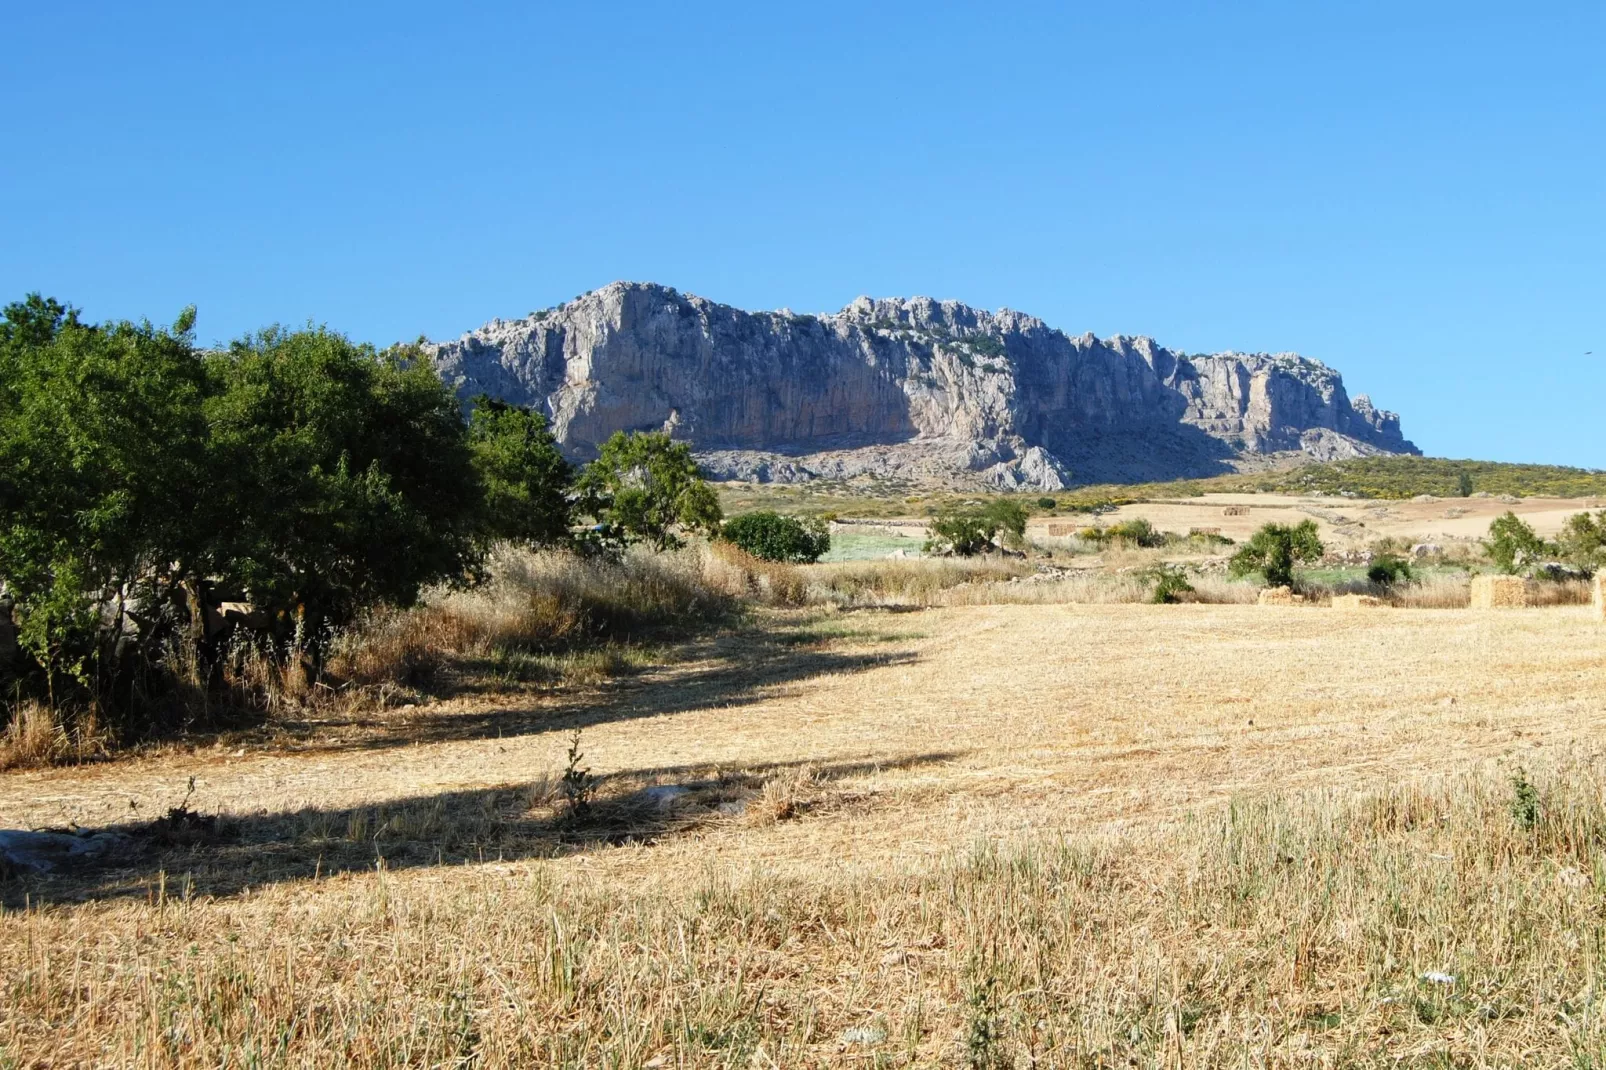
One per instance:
(906, 389)
(41, 852)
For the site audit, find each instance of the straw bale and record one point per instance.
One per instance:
(1358, 601)
(1499, 592)
(1057, 530)
(1600, 595)
(1279, 596)
(1235, 510)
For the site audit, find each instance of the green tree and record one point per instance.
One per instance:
(643, 487)
(1512, 543)
(1275, 549)
(774, 537)
(1010, 519)
(344, 476)
(1582, 542)
(1463, 482)
(966, 532)
(102, 483)
(525, 478)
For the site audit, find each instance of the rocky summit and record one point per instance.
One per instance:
(912, 390)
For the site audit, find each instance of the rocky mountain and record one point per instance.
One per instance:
(914, 390)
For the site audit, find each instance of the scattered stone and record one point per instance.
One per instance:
(664, 796)
(43, 852)
(867, 1036)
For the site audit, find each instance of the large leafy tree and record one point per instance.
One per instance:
(525, 477)
(344, 476)
(644, 487)
(1275, 549)
(103, 477)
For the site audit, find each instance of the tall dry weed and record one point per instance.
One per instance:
(548, 602)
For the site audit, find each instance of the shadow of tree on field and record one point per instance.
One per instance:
(190, 854)
(722, 671)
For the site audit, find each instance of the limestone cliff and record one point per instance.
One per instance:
(913, 389)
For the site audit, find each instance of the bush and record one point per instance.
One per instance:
(1134, 532)
(1170, 583)
(1387, 570)
(1275, 549)
(1047, 503)
(774, 537)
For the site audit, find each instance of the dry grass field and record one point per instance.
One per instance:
(1345, 522)
(989, 835)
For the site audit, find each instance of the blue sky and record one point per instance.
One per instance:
(1413, 193)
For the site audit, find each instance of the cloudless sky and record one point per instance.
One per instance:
(1414, 193)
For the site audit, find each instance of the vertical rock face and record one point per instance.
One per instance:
(906, 388)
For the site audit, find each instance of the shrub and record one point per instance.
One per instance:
(1170, 583)
(1387, 570)
(774, 537)
(1134, 532)
(1047, 503)
(1275, 549)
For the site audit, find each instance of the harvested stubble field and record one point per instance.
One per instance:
(995, 835)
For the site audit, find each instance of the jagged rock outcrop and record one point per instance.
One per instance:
(915, 390)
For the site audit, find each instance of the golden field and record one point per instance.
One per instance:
(985, 835)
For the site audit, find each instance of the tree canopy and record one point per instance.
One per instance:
(143, 479)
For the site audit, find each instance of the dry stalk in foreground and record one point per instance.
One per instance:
(1454, 923)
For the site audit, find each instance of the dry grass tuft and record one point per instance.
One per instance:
(782, 797)
(1357, 601)
(33, 736)
(910, 583)
(1598, 595)
(552, 604)
(1570, 592)
(744, 576)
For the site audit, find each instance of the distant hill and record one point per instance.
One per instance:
(915, 391)
(1406, 477)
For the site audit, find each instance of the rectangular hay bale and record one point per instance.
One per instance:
(1058, 530)
(1235, 510)
(1499, 592)
(1278, 596)
(1358, 601)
